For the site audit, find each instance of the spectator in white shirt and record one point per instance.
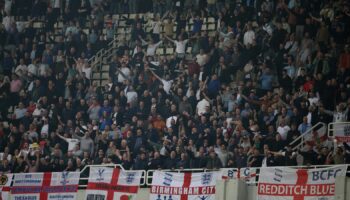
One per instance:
(151, 46)
(249, 36)
(165, 82)
(203, 106)
(123, 73)
(180, 45)
(33, 68)
(283, 130)
(131, 96)
(202, 58)
(21, 69)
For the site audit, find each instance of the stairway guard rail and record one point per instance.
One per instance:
(307, 134)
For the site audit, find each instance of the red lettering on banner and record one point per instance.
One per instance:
(343, 138)
(296, 190)
(183, 191)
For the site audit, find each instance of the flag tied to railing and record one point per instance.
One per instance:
(184, 186)
(45, 186)
(112, 184)
(298, 184)
(246, 174)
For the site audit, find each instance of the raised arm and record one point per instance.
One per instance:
(165, 15)
(168, 38)
(144, 42)
(121, 73)
(154, 74)
(60, 136)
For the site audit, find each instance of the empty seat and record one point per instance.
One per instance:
(105, 76)
(96, 76)
(160, 51)
(169, 51)
(211, 27)
(211, 20)
(105, 68)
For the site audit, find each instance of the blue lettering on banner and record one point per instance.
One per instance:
(230, 173)
(203, 197)
(347, 131)
(28, 176)
(165, 197)
(278, 175)
(206, 178)
(26, 198)
(168, 178)
(64, 177)
(246, 172)
(325, 174)
(130, 177)
(64, 196)
(24, 189)
(100, 173)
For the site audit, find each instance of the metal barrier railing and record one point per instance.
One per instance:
(338, 127)
(83, 179)
(256, 171)
(300, 141)
(146, 178)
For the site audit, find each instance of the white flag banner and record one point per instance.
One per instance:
(298, 184)
(341, 132)
(112, 184)
(46, 186)
(318, 136)
(5, 183)
(247, 174)
(183, 186)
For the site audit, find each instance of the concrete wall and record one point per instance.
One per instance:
(238, 190)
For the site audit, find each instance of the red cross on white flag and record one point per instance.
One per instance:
(45, 186)
(298, 184)
(112, 184)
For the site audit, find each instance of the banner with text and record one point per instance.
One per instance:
(5, 183)
(112, 184)
(45, 186)
(298, 184)
(247, 174)
(183, 186)
(341, 132)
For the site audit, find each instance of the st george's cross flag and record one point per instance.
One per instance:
(5, 183)
(112, 184)
(298, 184)
(183, 186)
(45, 186)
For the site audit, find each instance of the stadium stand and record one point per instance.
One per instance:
(173, 84)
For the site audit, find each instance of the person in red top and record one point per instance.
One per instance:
(309, 84)
(344, 58)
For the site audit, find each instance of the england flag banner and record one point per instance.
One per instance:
(45, 186)
(247, 174)
(183, 186)
(5, 183)
(341, 131)
(112, 184)
(298, 184)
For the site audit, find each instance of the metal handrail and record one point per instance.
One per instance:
(142, 182)
(256, 169)
(331, 127)
(301, 138)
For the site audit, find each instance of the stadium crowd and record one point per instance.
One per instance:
(271, 71)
